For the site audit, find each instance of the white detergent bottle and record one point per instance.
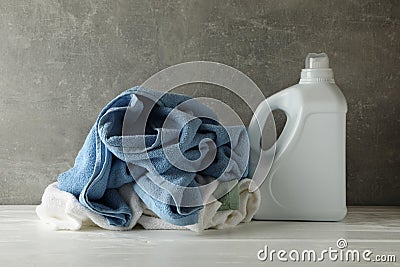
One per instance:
(307, 179)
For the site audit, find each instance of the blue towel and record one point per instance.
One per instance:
(154, 133)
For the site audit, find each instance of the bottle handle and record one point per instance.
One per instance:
(279, 101)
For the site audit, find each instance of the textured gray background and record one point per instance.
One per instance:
(62, 61)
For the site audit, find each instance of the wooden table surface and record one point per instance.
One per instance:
(26, 241)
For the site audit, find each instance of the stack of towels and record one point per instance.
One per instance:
(160, 160)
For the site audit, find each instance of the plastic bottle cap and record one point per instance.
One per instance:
(317, 69)
(317, 61)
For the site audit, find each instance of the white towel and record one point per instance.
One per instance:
(62, 211)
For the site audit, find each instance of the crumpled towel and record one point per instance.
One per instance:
(62, 211)
(101, 165)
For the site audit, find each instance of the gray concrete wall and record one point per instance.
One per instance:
(62, 61)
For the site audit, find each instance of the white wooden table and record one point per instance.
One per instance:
(25, 241)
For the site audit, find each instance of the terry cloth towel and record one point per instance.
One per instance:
(211, 217)
(229, 201)
(101, 165)
(62, 211)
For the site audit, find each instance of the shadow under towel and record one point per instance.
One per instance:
(167, 140)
